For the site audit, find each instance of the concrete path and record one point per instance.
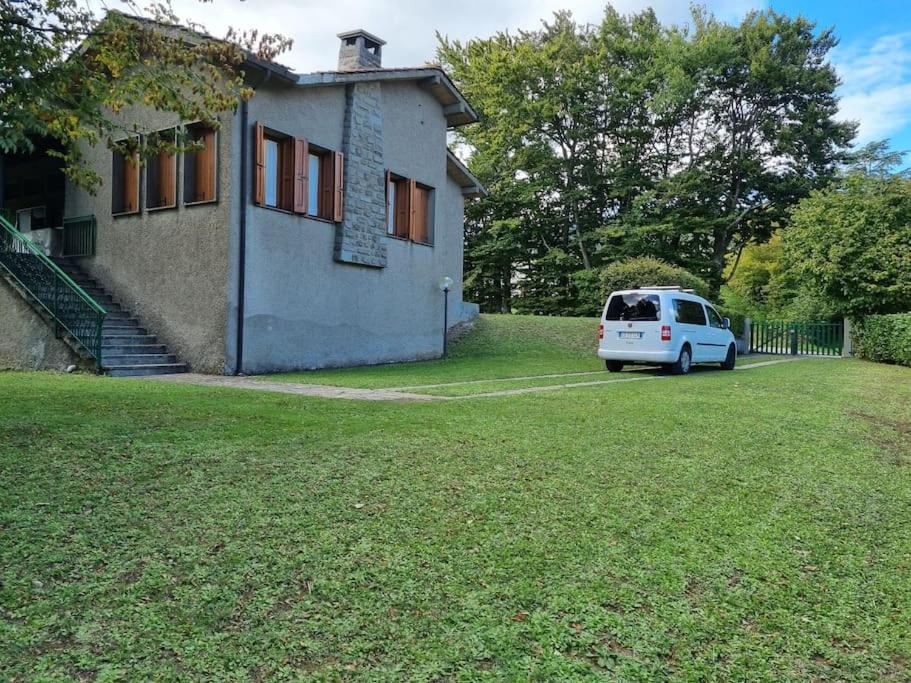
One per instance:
(320, 390)
(400, 394)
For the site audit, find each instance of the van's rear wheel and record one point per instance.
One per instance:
(684, 362)
(731, 359)
(614, 365)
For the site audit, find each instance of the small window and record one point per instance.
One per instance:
(200, 167)
(161, 172)
(323, 183)
(714, 318)
(278, 171)
(125, 181)
(409, 209)
(634, 306)
(689, 312)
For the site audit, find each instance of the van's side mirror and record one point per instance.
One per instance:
(726, 323)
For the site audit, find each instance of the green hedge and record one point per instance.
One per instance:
(737, 319)
(883, 338)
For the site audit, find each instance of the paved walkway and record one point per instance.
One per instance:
(401, 393)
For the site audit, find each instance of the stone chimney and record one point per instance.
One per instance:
(360, 51)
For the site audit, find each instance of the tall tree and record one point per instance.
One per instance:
(64, 71)
(631, 138)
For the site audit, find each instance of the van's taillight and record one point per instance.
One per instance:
(665, 333)
(601, 331)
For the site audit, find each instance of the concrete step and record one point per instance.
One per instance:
(119, 323)
(127, 338)
(118, 315)
(115, 349)
(124, 359)
(143, 370)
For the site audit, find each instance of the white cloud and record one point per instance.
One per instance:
(876, 85)
(408, 26)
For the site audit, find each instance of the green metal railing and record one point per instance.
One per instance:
(70, 308)
(804, 338)
(79, 236)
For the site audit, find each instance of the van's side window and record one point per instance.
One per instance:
(689, 312)
(714, 318)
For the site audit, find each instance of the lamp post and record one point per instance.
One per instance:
(444, 284)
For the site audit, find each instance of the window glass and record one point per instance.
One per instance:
(390, 208)
(714, 318)
(271, 184)
(634, 306)
(689, 312)
(313, 185)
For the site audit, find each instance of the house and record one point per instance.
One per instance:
(312, 229)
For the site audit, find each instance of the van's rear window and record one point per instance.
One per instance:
(633, 306)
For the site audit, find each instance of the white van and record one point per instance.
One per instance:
(666, 326)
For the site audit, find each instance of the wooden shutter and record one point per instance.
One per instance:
(259, 170)
(412, 208)
(167, 179)
(286, 160)
(419, 228)
(338, 187)
(131, 183)
(388, 180)
(301, 167)
(205, 168)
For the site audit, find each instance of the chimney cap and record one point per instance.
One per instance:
(344, 35)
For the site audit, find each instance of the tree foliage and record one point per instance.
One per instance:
(64, 72)
(630, 138)
(851, 244)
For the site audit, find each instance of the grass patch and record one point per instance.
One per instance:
(728, 526)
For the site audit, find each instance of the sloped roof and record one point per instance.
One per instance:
(455, 107)
(471, 186)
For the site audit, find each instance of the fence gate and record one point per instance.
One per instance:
(807, 339)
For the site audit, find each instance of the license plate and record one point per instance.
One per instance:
(630, 335)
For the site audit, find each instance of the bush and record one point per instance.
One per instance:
(737, 319)
(648, 272)
(884, 338)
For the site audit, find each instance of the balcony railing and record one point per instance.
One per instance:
(79, 236)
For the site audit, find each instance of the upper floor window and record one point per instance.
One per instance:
(125, 178)
(293, 175)
(161, 171)
(409, 209)
(200, 164)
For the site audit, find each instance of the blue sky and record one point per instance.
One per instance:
(874, 57)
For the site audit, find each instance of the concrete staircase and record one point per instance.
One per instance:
(127, 348)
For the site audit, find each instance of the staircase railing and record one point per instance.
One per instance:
(69, 307)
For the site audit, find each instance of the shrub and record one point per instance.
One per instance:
(648, 272)
(884, 338)
(737, 319)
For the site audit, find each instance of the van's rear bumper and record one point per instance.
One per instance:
(638, 356)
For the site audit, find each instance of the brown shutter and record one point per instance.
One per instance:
(388, 180)
(402, 209)
(286, 190)
(259, 171)
(301, 166)
(412, 208)
(131, 183)
(205, 168)
(421, 208)
(167, 179)
(338, 191)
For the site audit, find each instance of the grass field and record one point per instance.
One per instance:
(746, 526)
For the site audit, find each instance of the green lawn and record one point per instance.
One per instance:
(731, 526)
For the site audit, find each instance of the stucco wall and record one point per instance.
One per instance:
(170, 267)
(302, 308)
(26, 341)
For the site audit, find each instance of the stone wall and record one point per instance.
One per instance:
(26, 341)
(361, 236)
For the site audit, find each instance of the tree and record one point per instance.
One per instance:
(851, 244)
(64, 72)
(635, 139)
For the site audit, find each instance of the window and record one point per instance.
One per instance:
(200, 167)
(295, 176)
(634, 306)
(161, 172)
(689, 312)
(125, 180)
(409, 209)
(714, 318)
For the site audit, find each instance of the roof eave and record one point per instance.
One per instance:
(471, 186)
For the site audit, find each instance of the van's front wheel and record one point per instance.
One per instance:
(614, 365)
(684, 362)
(731, 358)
